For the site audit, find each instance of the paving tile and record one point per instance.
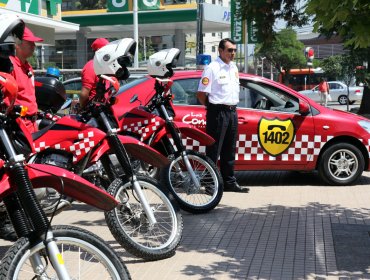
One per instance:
(280, 230)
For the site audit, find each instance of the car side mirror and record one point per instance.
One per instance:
(304, 108)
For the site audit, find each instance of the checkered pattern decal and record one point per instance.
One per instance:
(78, 149)
(143, 128)
(303, 147)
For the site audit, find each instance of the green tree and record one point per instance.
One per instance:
(343, 68)
(265, 13)
(350, 19)
(285, 52)
(332, 66)
(91, 4)
(148, 50)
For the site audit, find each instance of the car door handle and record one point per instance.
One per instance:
(242, 120)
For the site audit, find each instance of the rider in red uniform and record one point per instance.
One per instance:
(88, 76)
(24, 75)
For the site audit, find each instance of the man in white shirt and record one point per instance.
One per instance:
(219, 91)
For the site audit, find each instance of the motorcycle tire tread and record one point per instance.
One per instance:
(165, 174)
(126, 242)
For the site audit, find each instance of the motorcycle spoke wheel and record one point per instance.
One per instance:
(190, 198)
(131, 228)
(85, 256)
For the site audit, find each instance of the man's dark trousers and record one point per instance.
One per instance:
(222, 125)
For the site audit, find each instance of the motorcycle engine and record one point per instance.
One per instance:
(59, 160)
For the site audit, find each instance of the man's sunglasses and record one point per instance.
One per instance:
(231, 50)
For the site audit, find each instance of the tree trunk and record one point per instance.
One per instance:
(365, 102)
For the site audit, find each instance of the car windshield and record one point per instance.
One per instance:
(131, 84)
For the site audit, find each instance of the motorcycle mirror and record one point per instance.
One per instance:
(66, 104)
(134, 98)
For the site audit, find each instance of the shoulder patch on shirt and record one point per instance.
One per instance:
(205, 81)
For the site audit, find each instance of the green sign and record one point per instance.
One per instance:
(148, 5)
(252, 38)
(237, 23)
(26, 6)
(52, 6)
(117, 5)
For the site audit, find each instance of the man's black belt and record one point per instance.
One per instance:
(31, 118)
(223, 107)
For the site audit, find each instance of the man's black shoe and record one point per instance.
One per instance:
(234, 187)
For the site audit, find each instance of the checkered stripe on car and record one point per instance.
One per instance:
(143, 128)
(78, 149)
(303, 147)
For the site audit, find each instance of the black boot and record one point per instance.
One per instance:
(234, 187)
(6, 228)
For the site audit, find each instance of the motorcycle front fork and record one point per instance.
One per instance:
(55, 258)
(180, 147)
(124, 160)
(23, 209)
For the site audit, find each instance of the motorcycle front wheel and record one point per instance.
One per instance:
(190, 198)
(130, 226)
(85, 256)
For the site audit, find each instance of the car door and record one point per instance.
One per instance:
(314, 94)
(187, 107)
(336, 90)
(270, 136)
(272, 133)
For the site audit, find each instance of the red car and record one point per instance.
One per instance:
(279, 128)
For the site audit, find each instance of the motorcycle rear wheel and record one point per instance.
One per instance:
(130, 227)
(176, 177)
(85, 256)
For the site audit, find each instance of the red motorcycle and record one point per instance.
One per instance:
(145, 222)
(192, 177)
(43, 251)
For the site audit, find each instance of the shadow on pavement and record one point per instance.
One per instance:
(276, 242)
(286, 178)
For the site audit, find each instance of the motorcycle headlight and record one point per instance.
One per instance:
(365, 125)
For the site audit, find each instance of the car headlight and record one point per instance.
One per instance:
(365, 125)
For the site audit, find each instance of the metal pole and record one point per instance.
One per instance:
(200, 27)
(136, 34)
(246, 48)
(271, 73)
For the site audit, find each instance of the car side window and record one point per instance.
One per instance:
(69, 86)
(79, 85)
(257, 95)
(185, 91)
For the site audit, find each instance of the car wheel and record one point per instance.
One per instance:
(341, 164)
(342, 100)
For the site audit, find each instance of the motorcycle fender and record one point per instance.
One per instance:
(136, 149)
(47, 176)
(188, 131)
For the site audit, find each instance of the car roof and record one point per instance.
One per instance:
(198, 73)
(72, 80)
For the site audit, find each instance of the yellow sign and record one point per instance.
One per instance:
(275, 136)
(190, 45)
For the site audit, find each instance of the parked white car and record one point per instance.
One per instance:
(338, 92)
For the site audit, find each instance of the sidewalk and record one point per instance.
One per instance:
(288, 227)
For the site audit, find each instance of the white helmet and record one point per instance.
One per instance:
(11, 29)
(114, 58)
(161, 63)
